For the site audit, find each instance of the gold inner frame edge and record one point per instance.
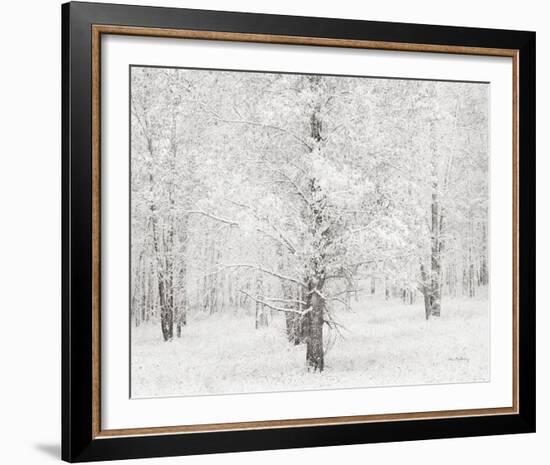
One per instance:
(97, 31)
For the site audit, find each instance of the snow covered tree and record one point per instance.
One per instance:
(282, 194)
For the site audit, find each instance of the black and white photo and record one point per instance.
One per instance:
(297, 231)
(293, 231)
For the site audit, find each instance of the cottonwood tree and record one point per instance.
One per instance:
(310, 201)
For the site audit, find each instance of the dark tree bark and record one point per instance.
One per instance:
(181, 309)
(164, 267)
(484, 268)
(165, 284)
(144, 292)
(166, 308)
(425, 291)
(431, 285)
(138, 291)
(314, 342)
(314, 318)
(435, 291)
(150, 300)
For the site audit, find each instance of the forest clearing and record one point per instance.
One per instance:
(383, 345)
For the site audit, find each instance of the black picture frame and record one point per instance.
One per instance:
(79, 441)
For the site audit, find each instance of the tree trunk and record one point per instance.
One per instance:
(314, 318)
(425, 291)
(165, 288)
(435, 294)
(294, 322)
(294, 328)
(314, 342)
(484, 268)
(261, 316)
(151, 311)
(166, 309)
(181, 319)
(144, 292)
(431, 285)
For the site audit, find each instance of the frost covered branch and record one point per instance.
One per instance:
(289, 301)
(263, 125)
(274, 307)
(212, 216)
(282, 237)
(342, 301)
(297, 189)
(258, 268)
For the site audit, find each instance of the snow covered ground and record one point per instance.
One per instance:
(385, 343)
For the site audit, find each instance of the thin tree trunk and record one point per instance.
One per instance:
(426, 291)
(183, 302)
(435, 294)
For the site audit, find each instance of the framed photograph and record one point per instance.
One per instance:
(287, 232)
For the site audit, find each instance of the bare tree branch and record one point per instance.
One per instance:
(211, 216)
(347, 291)
(299, 191)
(258, 268)
(264, 125)
(274, 307)
(283, 239)
(290, 301)
(329, 321)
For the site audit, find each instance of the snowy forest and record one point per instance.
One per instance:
(297, 231)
